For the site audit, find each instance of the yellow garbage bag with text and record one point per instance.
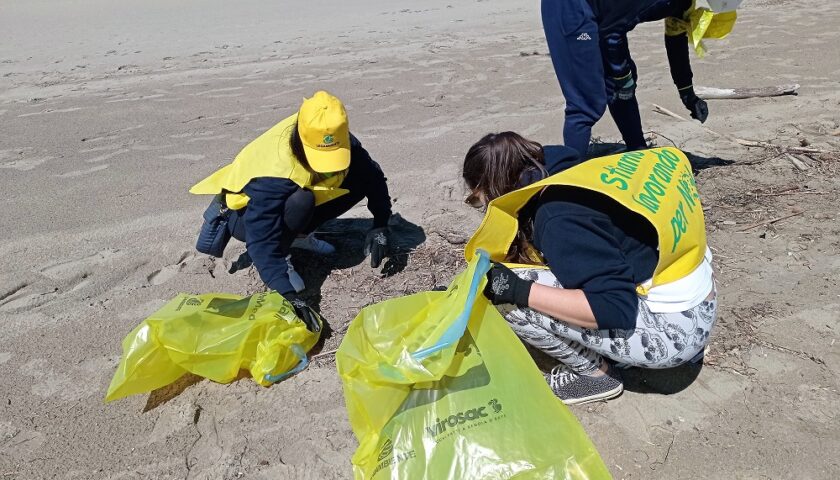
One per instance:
(214, 336)
(438, 386)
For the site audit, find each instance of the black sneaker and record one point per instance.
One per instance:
(574, 389)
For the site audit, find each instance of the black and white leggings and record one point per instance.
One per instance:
(660, 340)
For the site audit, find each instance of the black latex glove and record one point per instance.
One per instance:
(696, 105)
(624, 88)
(376, 245)
(304, 312)
(504, 286)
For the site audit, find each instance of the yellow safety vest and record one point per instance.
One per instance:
(658, 184)
(701, 23)
(269, 155)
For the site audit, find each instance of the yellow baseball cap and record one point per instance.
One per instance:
(325, 133)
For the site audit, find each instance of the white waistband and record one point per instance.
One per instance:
(685, 293)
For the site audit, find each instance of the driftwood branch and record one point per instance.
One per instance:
(744, 142)
(799, 164)
(711, 93)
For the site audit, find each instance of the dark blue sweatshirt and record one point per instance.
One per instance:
(263, 216)
(617, 17)
(592, 243)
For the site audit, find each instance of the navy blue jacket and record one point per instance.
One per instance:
(264, 215)
(592, 243)
(617, 17)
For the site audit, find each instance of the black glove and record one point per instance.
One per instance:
(376, 245)
(696, 105)
(624, 88)
(504, 286)
(311, 319)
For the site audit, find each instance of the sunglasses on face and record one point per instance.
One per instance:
(475, 201)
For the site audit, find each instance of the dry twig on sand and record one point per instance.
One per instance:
(771, 221)
(324, 354)
(711, 93)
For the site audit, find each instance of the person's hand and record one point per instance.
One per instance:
(625, 88)
(696, 105)
(504, 286)
(376, 245)
(302, 309)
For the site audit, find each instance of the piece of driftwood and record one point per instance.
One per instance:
(772, 220)
(741, 141)
(712, 93)
(799, 164)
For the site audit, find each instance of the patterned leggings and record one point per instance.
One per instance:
(660, 340)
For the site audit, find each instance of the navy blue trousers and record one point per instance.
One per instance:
(571, 31)
(301, 216)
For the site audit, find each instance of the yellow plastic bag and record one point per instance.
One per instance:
(701, 24)
(438, 386)
(213, 336)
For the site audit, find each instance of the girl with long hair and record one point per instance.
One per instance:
(600, 274)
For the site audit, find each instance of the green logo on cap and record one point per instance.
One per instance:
(328, 139)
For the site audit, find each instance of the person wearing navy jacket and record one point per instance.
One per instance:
(587, 40)
(576, 280)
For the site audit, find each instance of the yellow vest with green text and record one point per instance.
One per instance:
(269, 155)
(658, 184)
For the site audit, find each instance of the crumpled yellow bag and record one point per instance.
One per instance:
(438, 386)
(701, 24)
(213, 336)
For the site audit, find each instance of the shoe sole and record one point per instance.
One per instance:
(594, 398)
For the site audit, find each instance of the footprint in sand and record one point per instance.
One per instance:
(166, 273)
(26, 302)
(78, 267)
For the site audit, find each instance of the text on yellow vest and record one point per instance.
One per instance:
(658, 184)
(269, 155)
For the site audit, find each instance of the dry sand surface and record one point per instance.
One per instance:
(110, 111)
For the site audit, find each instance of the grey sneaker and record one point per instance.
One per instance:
(313, 244)
(574, 389)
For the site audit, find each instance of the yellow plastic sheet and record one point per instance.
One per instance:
(702, 24)
(437, 386)
(213, 336)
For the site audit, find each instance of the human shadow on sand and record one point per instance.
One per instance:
(348, 237)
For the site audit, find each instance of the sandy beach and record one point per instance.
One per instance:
(110, 111)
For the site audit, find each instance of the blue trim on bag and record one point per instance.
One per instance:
(302, 364)
(455, 331)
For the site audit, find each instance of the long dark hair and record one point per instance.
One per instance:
(296, 144)
(500, 163)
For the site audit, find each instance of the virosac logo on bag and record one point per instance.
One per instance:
(473, 417)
